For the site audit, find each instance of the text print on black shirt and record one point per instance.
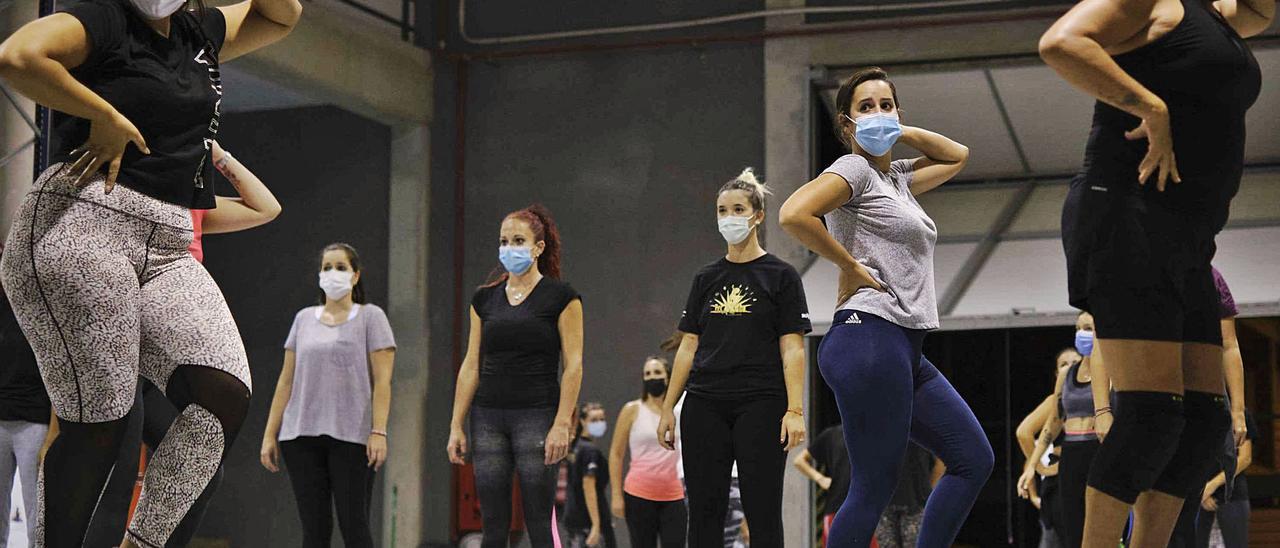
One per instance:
(209, 59)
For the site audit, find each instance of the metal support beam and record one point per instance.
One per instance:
(976, 260)
(1008, 122)
(10, 156)
(18, 107)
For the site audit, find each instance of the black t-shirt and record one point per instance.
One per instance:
(831, 455)
(170, 88)
(739, 311)
(913, 480)
(22, 393)
(588, 460)
(520, 345)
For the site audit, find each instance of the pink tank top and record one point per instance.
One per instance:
(653, 469)
(197, 221)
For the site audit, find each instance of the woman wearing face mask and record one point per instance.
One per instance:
(1174, 80)
(1045, 497)
(883, 242)
(586, 514)
(524, 324)
(98, 273)
(1073, 415)
(654, 497)
(741, 360)
(329, 414)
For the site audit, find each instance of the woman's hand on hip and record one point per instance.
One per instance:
(852, 279)
(1159, 161)
(376, 451)
(557, 444)
(108, 138)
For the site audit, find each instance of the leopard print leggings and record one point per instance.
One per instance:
(104, 288)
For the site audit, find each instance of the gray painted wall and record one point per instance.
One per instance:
(627, 150)
(330, 169)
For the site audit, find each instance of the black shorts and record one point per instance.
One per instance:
(1139, 266)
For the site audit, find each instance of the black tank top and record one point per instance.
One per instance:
(1207, 76)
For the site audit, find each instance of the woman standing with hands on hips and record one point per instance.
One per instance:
(98, 272)
(1174, 80)
(524, 324)
(332, 403)
(883, 241)
(742, 360)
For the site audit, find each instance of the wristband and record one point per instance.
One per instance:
(382, 433)
(227, 158)
(1101, 410)
(798, 412)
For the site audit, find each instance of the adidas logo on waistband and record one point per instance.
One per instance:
(854, 319)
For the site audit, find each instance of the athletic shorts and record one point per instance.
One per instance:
(1141, 267)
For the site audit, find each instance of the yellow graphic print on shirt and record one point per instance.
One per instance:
(733, 300)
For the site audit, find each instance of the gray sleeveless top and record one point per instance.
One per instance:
(1076, 401)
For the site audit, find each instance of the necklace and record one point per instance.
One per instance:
(517, 294)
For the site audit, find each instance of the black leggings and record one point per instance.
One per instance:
(150, 419)
(80, 459)
(327, 474)
(507, 441)
(1073, 474)
(649, 520)
(713, 434)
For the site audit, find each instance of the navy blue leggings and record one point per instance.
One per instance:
(888, 392)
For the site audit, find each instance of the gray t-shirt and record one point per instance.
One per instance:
(332, 388)
(885, 229)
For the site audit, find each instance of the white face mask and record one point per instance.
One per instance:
(735, 229)
(157, 9)
(336, 283)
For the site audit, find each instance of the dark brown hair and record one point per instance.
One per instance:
(665, 365)
(357, 291)
(1060, 353)
(844, 97)
(544, 230)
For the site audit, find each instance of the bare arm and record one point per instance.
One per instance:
(680, 371)
(254, 24)
(793, 428)
(570, 323)
(383, 363)
(592, 500)
(256, 205)
(571, 346)
(675, 388)
(1052, 425)
(803, 463)
(284, 391)
(801, 217)
(1233, 369)
(1248, 17)
(36, 61)
(618, 447)
(1076, 46)
(1030, 426)
(1101, 388)
(942, 160)
(464, 392)
(939, 470)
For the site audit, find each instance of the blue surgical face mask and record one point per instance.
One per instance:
(516, 260)
(1084, 342)
(735, 229)
(876, 133)
(597, 428)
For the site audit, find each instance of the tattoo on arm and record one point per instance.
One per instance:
(224, 167)
(1130, 100)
